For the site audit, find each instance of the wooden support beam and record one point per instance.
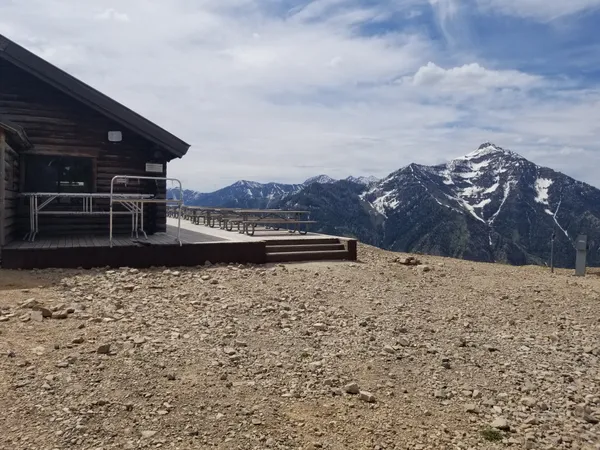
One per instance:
(2, 187)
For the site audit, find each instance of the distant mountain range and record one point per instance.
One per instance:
(490, 205)
(250, 194)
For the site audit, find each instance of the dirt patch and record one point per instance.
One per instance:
(370, 355)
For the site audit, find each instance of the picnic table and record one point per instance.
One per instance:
(249, 219)
(39, 202)
(246, 220)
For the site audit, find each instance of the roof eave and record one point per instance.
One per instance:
(93, 98)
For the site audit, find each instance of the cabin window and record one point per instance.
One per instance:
(48, 173)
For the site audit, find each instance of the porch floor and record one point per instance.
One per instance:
(168, 238)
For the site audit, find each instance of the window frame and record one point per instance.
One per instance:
(92, 157)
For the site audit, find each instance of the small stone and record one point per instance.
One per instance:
(36, 316)
(45, 311)
(62, 364)
(162, 412)
(476, 394)
(410, 261)
(230, 351)
(532, 420)
(352, 388)
(471, 408)
(500, 423)
(315, 365)
(256, 421)
(78, 340)
(590, 419)
(440, 393)
(104, 349)
(147, 434)
(366, 396)
(389, 349)
(139, 340)
(528, 401)
(320, 327)
(60, 315)
(29, 304)
(38, 350)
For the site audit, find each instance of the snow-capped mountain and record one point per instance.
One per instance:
(326, 179)
(251, 194)
(321, 179)
(241, 194)
(366, 181)
(490, 205)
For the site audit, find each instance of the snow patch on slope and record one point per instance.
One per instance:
(507, 188)
(384, 202)
(541, 189)
(492, 188)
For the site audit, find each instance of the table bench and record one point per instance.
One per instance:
(249, 226)
(37, 208)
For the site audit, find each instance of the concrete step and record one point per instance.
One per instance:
(305, 247)
(303, 241)
(331, 255)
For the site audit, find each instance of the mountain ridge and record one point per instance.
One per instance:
(490, 205)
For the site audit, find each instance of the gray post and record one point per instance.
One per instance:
(552, 251)
(580, 260)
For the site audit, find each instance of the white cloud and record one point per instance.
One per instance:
(112, 14)
(471, 77)
(283, 96)
(543, 10)
(446, 12)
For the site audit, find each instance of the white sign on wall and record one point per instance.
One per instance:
(154, 168)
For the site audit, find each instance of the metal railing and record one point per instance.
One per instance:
(135, 204)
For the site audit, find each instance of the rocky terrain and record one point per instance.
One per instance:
(385, 353)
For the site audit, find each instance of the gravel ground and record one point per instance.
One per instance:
(369, 355)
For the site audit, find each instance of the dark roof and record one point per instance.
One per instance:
(80, 91)
(15, 133)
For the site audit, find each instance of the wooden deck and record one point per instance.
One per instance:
(162, 250)
(158, 250)
(168, 238)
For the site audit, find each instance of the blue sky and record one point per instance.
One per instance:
(282, 90)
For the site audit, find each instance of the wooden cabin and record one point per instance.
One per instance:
(58, 134)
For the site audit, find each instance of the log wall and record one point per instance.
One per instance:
(11, 191)
(56, 124)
